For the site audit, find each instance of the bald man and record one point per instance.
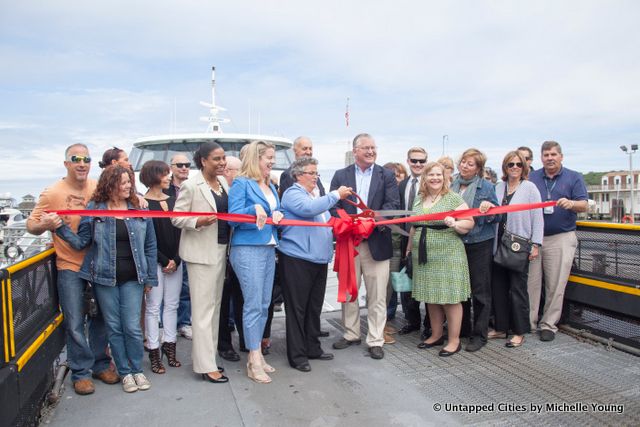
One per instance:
(302, 147)
(232, 169)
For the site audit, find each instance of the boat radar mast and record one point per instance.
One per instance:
(213, 119)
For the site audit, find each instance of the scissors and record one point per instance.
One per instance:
(379, 214)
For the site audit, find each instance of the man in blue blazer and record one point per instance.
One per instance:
(378, 188)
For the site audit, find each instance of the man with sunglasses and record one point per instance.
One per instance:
(180, 166)
(416, 159)
(73, 192)
(567, 187)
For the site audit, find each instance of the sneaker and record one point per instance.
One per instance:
(129, 384)
(141, 381)
(185, 331)
(83, 387)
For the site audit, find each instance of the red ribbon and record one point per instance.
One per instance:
(349, 232)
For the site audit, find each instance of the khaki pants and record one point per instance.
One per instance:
(376, 276)
(555, 261)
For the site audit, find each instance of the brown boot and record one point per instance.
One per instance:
(83, 386)
(107, 376)
(389, 339)
(169, 350)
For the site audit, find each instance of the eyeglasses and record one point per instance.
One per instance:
(78, 159)
(518, 164)
(312, 174)
(181, 165)
(416, 161)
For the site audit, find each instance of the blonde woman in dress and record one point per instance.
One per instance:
(440, 270)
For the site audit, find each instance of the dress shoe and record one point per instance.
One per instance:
(388, 329)
(324, 334)
(229, 355)
(343, 343)
(511, 344)
(107, 376)
(445, 353)
(407, 329)
(220, 380)
(424, 345)
(303, 367)
(83, 387)
(376, 352)
(547, 335)
(323, 356)
(475, 344)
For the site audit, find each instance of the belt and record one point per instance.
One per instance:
(422, 244)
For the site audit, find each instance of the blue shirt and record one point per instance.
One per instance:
(363, 182)
(568, 184)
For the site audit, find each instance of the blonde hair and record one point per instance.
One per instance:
(447, 162)
(251, 160)
(417, 150)
(424, 191)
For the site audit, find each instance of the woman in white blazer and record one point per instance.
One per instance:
(203, 248)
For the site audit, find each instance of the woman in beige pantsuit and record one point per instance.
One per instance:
(203, 247)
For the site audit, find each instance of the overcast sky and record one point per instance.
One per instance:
(489, 74)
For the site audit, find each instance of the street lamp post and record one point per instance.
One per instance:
(444, 137)
(630, 151)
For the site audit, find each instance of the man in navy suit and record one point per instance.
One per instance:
(378, 188)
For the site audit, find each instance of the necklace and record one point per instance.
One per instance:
(217, 191)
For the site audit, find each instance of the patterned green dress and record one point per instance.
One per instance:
(444, 279)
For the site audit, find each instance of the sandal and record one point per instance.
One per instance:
(156, 361)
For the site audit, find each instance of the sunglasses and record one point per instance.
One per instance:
(78, 159)
(181, 165)
(518, 164)
(416, 161)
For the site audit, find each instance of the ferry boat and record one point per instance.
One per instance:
(163, 147)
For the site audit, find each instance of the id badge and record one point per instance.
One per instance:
(548, 210)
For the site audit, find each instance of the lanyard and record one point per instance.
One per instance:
(546, 184)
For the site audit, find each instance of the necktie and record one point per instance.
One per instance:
(412, 193)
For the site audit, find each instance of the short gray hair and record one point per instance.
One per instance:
(549, 145)
(297, 167)
(77, 144)
(359, 137)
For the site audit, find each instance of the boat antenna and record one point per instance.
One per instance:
(213, 119)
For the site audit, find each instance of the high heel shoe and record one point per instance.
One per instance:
(446, 353)
(266, 367)
(156, 361)
(424, 345)
(220, 380)
(257, 374)
(169, 350)
(511, 344)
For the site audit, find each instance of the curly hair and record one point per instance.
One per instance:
(109, 182)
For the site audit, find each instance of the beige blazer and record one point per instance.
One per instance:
(198, 245)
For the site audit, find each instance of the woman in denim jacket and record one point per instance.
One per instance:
(478, 244)
(120, 263)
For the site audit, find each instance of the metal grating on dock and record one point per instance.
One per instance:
(553, 383)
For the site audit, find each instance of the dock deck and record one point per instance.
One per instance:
(565, 382)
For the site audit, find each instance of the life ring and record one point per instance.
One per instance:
(627, 219)
(12, 251)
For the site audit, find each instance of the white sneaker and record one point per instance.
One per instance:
(129, 384)
(141, 381)
(185, 331)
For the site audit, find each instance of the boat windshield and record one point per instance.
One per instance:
(163, 152)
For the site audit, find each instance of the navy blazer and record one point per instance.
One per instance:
(244, 195)
(383, 194)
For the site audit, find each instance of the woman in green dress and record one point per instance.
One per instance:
(440, 269)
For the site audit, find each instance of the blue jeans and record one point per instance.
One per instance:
(121, 307)
(83, 357)
(184, 307)
(255, 267)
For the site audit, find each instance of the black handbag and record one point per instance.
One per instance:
(513, 252)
